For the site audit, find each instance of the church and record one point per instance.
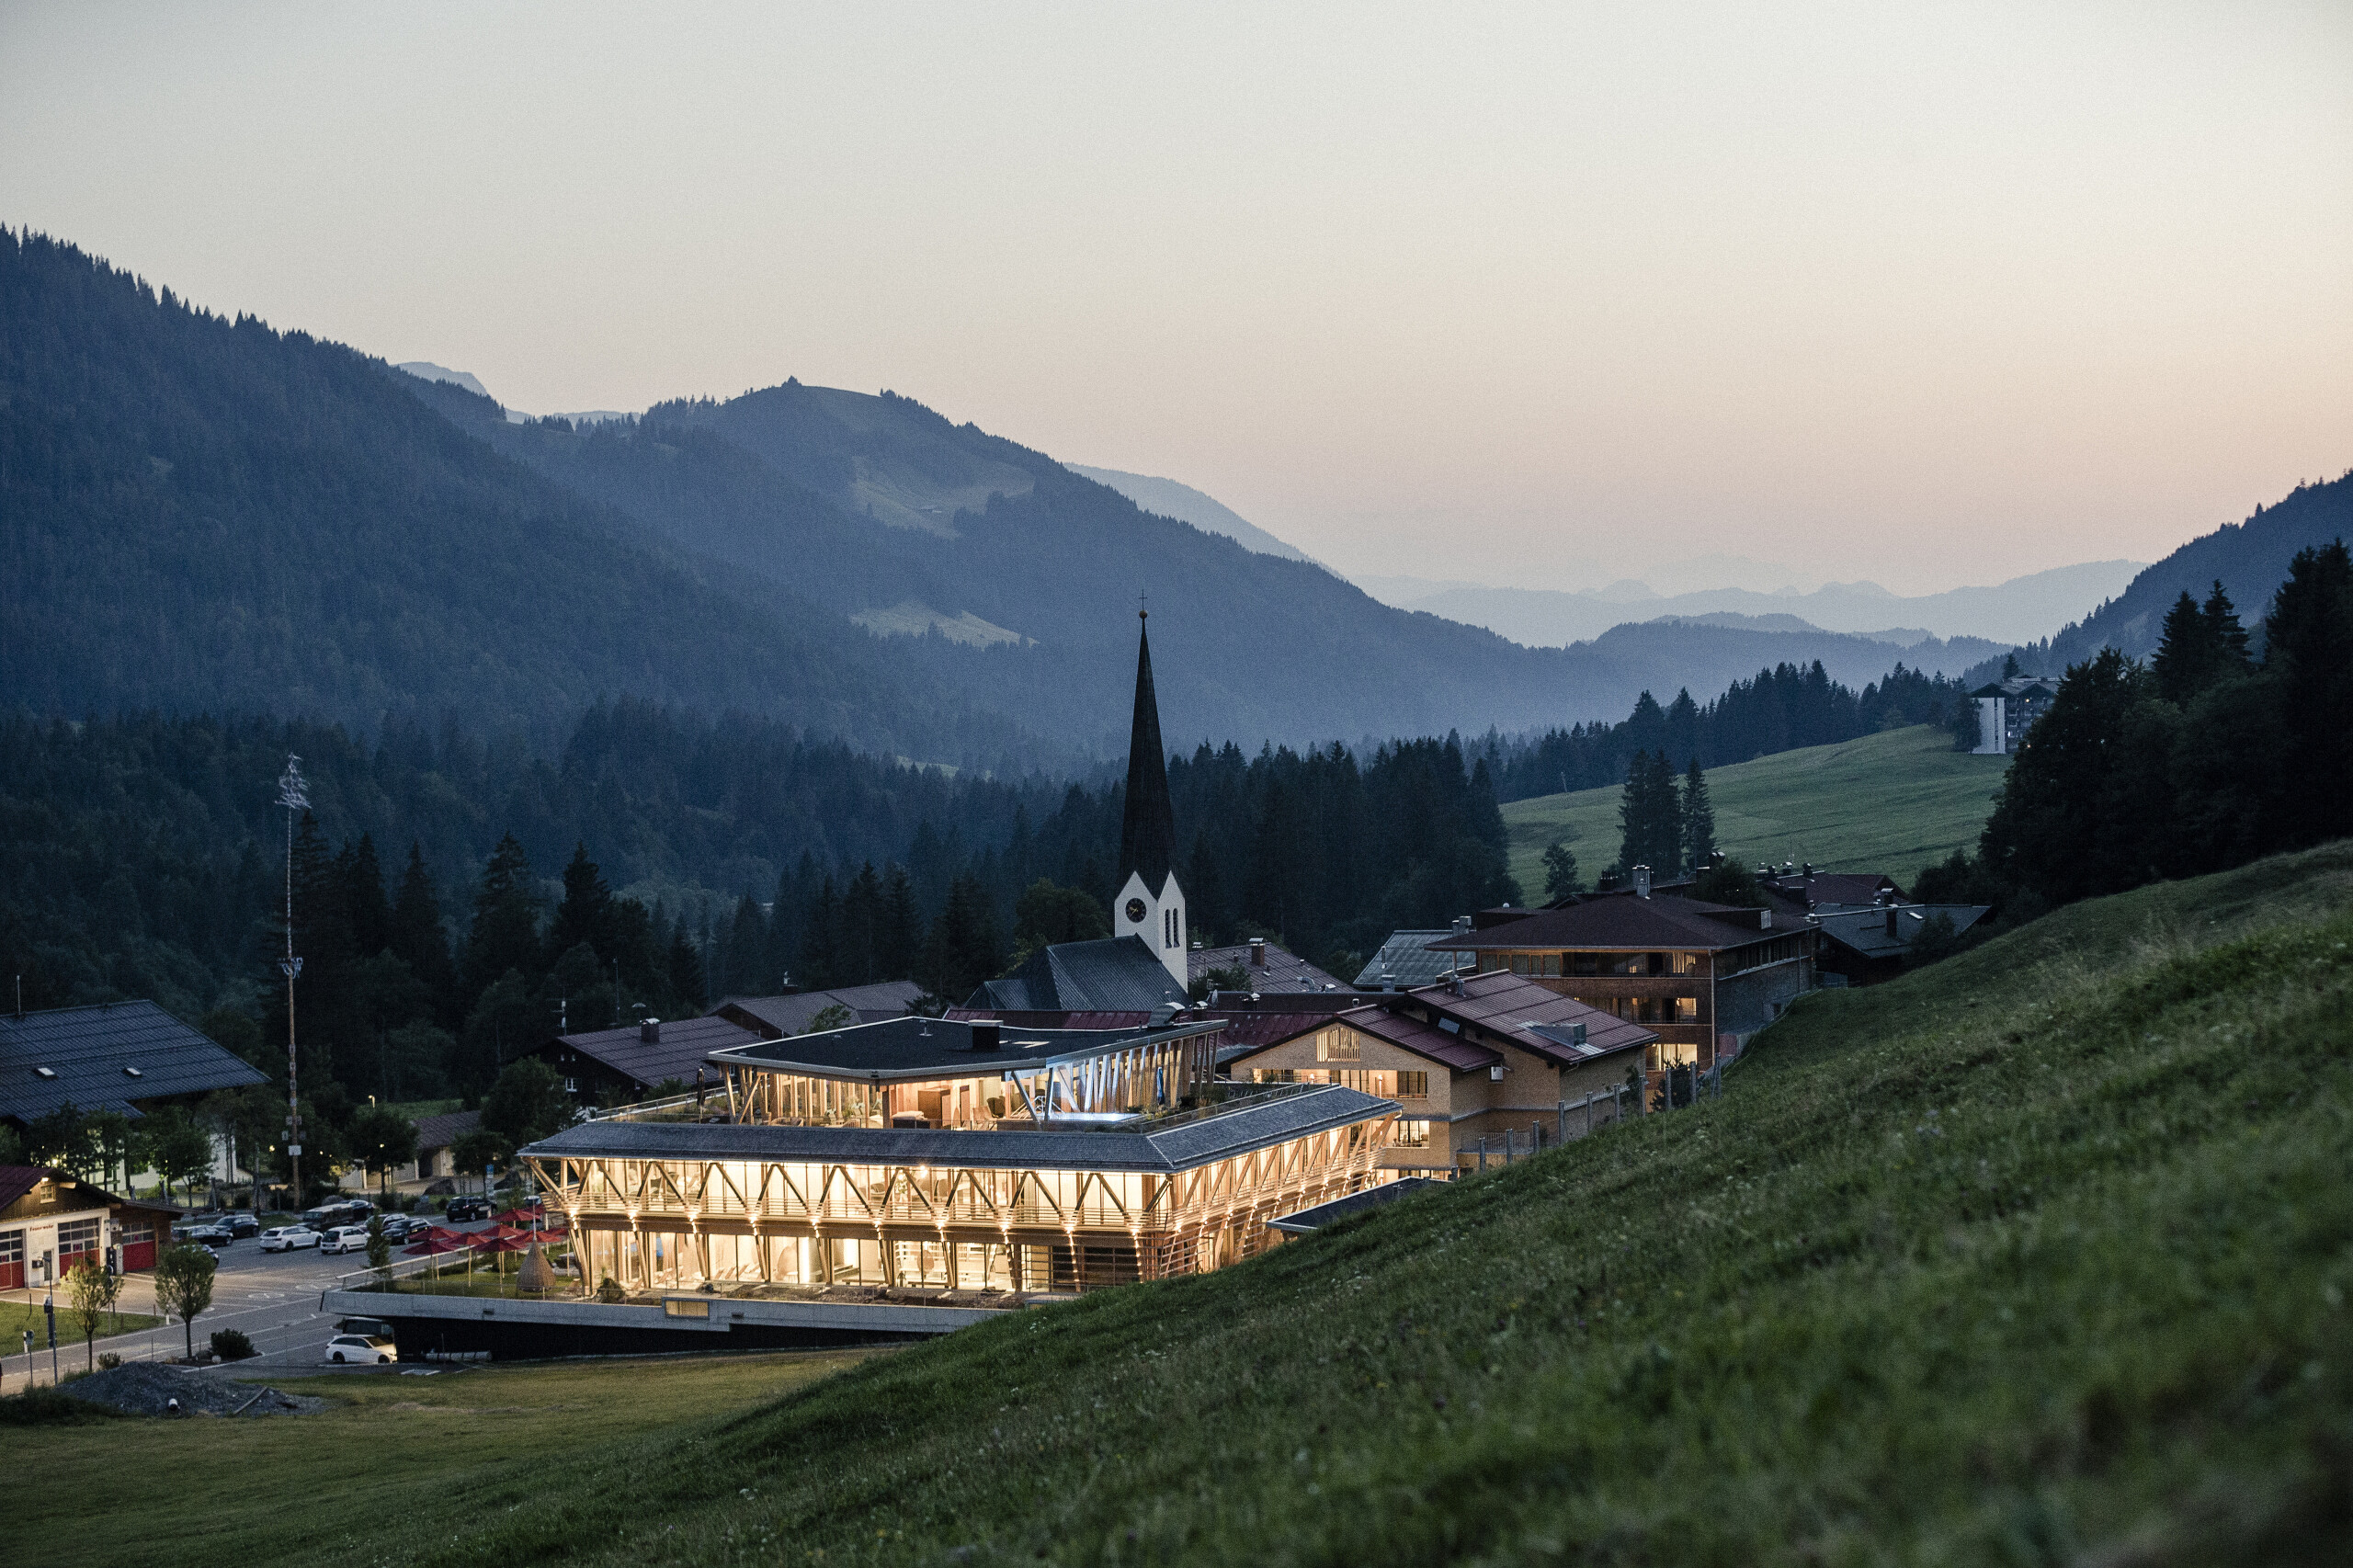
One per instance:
(1142, 965)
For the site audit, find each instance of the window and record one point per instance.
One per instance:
(74, 1237)
(1412, 1134)
(571, 1085)
(1338, 1045)
(1549, 966)
(1686, 1009)
(1413, 1086)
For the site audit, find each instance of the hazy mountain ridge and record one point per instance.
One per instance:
(1172, 498)
(2009, 613)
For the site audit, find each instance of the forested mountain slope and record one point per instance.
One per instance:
(2249, 559)
(199, 514)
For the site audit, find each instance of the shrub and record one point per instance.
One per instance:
(231, 1345)
(48, 1407)
(608, 1291)
(108, 1360)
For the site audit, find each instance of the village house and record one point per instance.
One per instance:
(1480, 1067)
(49, 1221)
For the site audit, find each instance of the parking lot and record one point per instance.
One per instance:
(272, 1297)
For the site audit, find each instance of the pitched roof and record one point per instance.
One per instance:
(106, 1057)
(1172, 1145)
(792, 1013)
(1498, 1006)
(679, 1049)
(1283, 971)
(1792, 891)
(1663, 920)
(1864, 931)
(18, 1180)
(1147, 823)
(1404, 961)
(441, 1132)
(1118, 973)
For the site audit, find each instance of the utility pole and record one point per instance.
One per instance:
(294, 798)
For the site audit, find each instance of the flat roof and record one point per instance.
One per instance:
(1164, 1148)
(893, 1050)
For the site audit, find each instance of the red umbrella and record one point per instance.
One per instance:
(503, 1238)
(528, 1217)
(438, 1239)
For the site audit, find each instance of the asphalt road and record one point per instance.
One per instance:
(273, 1297)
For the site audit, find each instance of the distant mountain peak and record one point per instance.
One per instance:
(1172, 498)
(425, 370)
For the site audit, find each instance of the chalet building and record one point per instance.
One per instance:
(1704, 976)
(973, 1155)
(1263, 967)
(953, 1155)
(773, 1018)
(1482, 1063)
(436, 1136)
(49, 1222)
(635, 1062)
(1796, 892)
(2006, 710)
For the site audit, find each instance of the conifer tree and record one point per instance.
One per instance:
(821, 962)
(747, 948)
(1698, 820)
(363, 896)
(586, 913)
(417, 937)
(505, 930)
(861, 937)
(902, 939)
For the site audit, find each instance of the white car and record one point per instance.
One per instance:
(345, 1349)
(345, 1238)
(286, 1237)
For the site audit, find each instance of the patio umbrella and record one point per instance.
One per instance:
(508, 1238)
(528, 1217)
(438, 1239)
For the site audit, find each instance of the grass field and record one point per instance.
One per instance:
(404, 1458)
(2038, 1255)
(16, 1317)
(1890, 802)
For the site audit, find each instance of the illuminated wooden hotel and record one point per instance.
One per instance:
(975, 1156)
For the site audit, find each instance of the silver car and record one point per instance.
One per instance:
(345, 1238)
(285, 1238)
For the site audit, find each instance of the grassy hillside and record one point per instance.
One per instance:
(2039, 1255)
(1891, 802)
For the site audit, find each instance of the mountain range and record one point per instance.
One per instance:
(2016, 611)
(207, 514)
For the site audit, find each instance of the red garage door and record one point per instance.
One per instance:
(138, 1250)
(12, 1260)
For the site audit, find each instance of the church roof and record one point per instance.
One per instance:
(1115, 974)
(1148, 826)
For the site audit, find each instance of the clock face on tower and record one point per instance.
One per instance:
(1135, 911)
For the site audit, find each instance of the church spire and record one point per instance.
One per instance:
(1148, 827)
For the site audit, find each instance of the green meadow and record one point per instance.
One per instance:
(2038, 1255)
(1890, 802)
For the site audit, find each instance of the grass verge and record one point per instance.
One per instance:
(16, 1317)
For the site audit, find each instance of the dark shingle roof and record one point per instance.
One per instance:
(1404, 961)
(792, 1013)
(683, 1045)
(1177, 1147)
(1283, 971)
(441, 1132)
(88, 1050)
(1663, 920)
(1115, 974)
(1864, 931)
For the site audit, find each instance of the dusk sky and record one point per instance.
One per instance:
(1923, 294)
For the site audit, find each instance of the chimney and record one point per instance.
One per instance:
(1461, 924)
(649, 1032)
(1258, 952)
(1642, 882)
(984, 1034)
(1890, 917)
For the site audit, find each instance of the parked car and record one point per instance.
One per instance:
(241, 1225)
(399, 1228)
(345, 1238)
(285, 1238)
(467, 1209)
(215, 1234)
(372, 1347)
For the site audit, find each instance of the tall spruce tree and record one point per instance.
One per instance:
(2308, 645)
(363, 897)
(505, 930)
(1698, 820)
(902, 941)
(417, 936)
(862, 927)
(586, 913)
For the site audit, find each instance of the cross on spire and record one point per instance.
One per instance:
(1141, 613)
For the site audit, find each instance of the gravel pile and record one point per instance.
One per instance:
(146, 1388)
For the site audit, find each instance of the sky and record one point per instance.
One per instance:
(1538, 296)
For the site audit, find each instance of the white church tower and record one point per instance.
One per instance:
(1149, 904)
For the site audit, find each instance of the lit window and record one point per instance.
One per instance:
(1338, 1045)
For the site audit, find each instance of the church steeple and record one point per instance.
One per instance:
(1149, 904)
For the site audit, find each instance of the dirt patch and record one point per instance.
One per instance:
(149, 1388)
